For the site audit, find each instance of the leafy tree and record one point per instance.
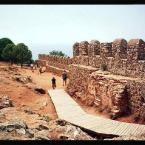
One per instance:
(22, 54)
(59, 53)
(3, 44)
(8, 53)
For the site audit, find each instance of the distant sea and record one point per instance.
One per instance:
(45, 49)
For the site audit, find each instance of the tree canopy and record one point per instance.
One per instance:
(3, 43)
(22, 54)
(8, 53)
(19, 53)
(59, 53)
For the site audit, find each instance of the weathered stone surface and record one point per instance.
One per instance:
(23, 79)
(116, 96)
(135, 50)
(14, 124)
(61, 130)
(78, 83)
(56, 70)
(41, 135)
(5, 102)
(119, 48)
(76, 49)
(83, 48)
(94, 48)
(106, 50)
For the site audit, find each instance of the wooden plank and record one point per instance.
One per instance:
(137, 129)
(141, 130)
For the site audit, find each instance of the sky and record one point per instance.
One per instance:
(44, 28)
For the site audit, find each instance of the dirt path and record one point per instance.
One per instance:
(44, 79)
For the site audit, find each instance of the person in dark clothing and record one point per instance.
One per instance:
(40, 70)
(64, 77)
(53, 82)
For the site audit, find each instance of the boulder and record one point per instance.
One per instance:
(41, 135)
(40, 90)
(23, 79)
(62, 130)
(5, 102)
(13, 125)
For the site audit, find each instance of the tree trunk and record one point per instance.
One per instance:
(11, 62)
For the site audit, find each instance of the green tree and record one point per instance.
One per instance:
(8, 53)
(3, 43)
(22, 54)
(55, 52)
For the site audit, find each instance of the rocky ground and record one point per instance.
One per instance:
(27, 112)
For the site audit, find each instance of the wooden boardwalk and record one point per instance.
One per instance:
(67, 109)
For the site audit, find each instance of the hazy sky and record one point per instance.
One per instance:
(46, 27)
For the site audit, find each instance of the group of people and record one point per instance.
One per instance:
(35, 66)
(53, 80)
(64, 78)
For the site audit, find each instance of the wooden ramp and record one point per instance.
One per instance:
(67, 109)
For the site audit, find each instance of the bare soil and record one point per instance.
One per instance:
(23, 96)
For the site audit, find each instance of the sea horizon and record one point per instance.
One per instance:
(45, 49)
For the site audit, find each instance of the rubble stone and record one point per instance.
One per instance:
(5, 102)
(23, 79)
(40, 90)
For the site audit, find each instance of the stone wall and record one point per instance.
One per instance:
(78, 82)
(56, 61)
(55, 70)
(115, 95)
(41, 62)
(119, 57)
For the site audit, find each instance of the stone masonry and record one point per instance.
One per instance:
(121, 90)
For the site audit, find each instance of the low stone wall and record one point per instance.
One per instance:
(116, 95)
(41, 62)
(56, 61)
(116, 66)
(55, 70)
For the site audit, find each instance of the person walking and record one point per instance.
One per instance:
(64, 77)
(40, 70)
(53, 82)
(32, 67)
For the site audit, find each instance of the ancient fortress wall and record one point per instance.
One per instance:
(119, 57)
(54, 64)
(114, 94)
(56, 61)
